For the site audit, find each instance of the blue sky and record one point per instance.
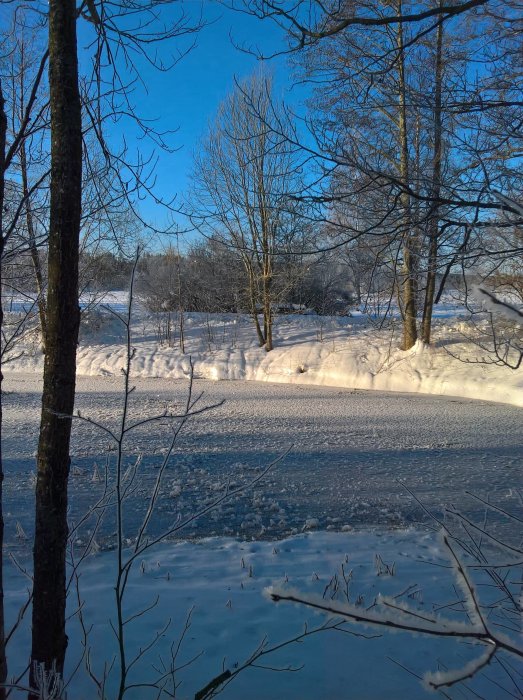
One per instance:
(187, 97)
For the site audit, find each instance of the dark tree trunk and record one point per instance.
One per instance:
(3, 660)
(428, 306)
(409, 262)
(267, 307)
(252, 303)
(33, 249)
(49, 639)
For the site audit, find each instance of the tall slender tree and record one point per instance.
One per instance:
(3, 660)
(49, 640)
(408, 305)
(433, 220)
(14, 130)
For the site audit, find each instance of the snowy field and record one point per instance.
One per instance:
(359, 465)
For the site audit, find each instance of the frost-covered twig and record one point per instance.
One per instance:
(492, 624)
(434, 627)
(440, 679)
(49, 684)
(116, 497)
(495, 304)
(220, 682)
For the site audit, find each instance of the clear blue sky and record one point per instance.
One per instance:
(187, 97)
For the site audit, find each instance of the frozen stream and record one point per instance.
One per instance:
(350, 451)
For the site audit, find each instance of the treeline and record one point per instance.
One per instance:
(210, 277)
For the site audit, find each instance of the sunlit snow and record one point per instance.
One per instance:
(361, 469)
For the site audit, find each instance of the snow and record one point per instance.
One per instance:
(348, 493)
(351, 453)
(222, 581)
(504, 307)
(345, 352)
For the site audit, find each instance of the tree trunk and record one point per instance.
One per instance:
(252, 301)
(33, 250)
(267, 315)
(267, 301)
(49, 640)
(408, 281)
(3, 659)
(426, 324)
(180, 300)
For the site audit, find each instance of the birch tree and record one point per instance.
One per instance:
(244, 180)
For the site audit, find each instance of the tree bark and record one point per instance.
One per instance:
(408, 281)
(49, 639)
(253, 304)
(267, 303)
(426, 323)
(267, 319)
(3, 659)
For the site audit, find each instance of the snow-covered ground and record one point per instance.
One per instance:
(222, 581)
(351, 452)
(347, 352)
(355, 457)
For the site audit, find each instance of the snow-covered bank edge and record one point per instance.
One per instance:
(422, 370)
(344, 352)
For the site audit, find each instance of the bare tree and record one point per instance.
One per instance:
(106, 221)
(32, 160)
(244, 182)
(403, 137)
(3, 659)
(49, 640)
(12, 135)
(214, 278)
(437, 162)
(308, 22)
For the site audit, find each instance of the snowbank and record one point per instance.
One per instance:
(340, 352)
